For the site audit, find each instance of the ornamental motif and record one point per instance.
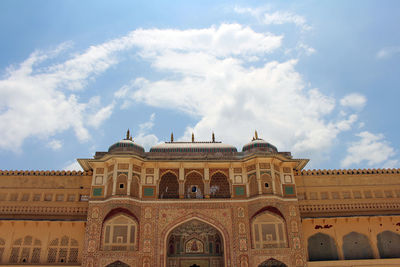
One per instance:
(194, 246)
(243, 244)
(242, 228)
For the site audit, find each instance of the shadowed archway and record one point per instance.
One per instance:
(118, 264)
(388, 245)
(322, 247)
(272, 263)
(356, 246)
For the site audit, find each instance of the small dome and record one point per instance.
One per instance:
(126, 145)
(259, 145)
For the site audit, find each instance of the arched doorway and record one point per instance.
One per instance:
(118, 264)
(195, 243)
(272, 263)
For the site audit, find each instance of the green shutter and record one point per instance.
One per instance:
(239, 190)
(148, 192)
(97, 192)
(289, 190)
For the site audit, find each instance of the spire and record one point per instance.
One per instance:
(255, 135)
(127, 135)
(172, 137)
(213, 137)
(192, 137)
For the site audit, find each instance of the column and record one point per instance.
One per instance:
(105, 179)
(206, 182)
(258, 178)
(181, 180)
(142, 178)
(245, 180)
(128, 190)
(273, 178)
(114, 179)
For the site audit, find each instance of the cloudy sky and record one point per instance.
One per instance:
(317, 78)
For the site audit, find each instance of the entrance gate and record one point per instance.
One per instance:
(195, 244)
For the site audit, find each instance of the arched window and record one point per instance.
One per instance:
(388, 244)
(268, 231)
(63, 250)
(135, 186)
(122, 181)
(26, 250)
(194, 186)
(219, 186)
(120, 233)
(322, 247)
(169, 186)
(356, 246)
(2, 244)
(253, 185)
(266, 184)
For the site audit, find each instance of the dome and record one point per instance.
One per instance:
(193, 147)
(126, 145)
(258, 144)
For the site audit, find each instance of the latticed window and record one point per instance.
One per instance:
(25, 250)
(119, 233)
(219, 186)
(63, 250)
(2, 244)
(268, 231)
(169, 186)
(194, 186)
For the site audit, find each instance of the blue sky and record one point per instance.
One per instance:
(317, 78)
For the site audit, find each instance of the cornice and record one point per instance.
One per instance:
(348, 209)
(75, 211)
(44, 173)
(346, 172)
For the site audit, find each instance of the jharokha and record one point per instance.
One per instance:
(199, 204)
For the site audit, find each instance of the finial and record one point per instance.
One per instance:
(256, 135)
(172, 137)
(213, 137)
(127, 135)
(193, 137)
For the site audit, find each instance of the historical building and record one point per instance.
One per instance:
(199, 204)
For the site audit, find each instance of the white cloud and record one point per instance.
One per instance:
(372, 149)
(225, 40)
(279, 17)
(388, 52)
(255, 12)
(33, 99)
(233, 99)
(143, 137)
(354, 100)
(308, 50)
(54, 144)
(72, 166)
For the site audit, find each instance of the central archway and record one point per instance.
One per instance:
(195, 243)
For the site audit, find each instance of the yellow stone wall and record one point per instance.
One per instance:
(45, 232)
